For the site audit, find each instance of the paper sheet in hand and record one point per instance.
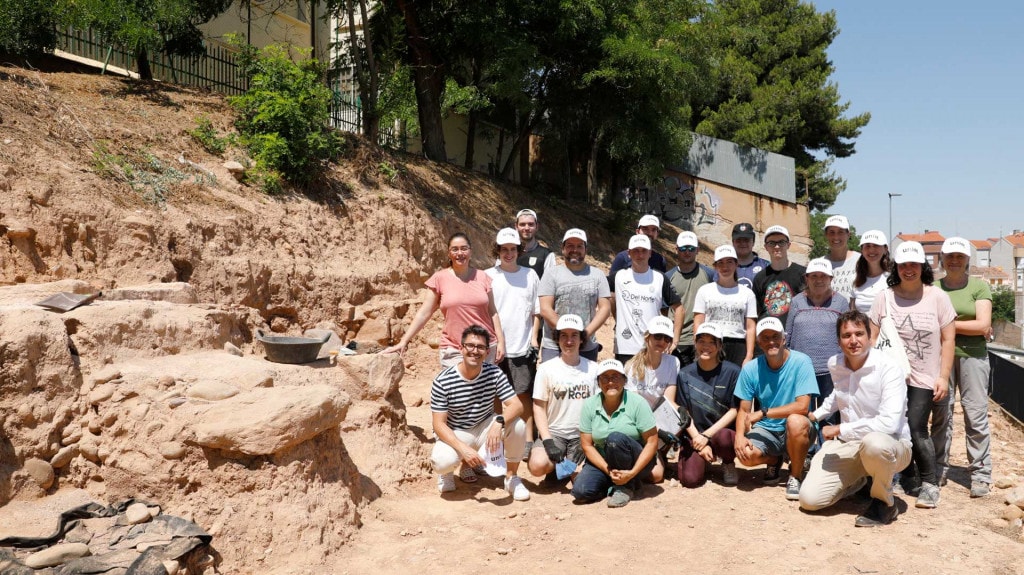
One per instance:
(494, 461)
(666, 417)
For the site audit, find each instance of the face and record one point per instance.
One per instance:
(707, 347)
(659, 342)
(818, 283)
(574, 250)
(726, 267)
(687, 255)
(639, 255)
(909, 272)
(777, 245)
(474, 350)
(611, 383)
(508, 253)
(459, 251)
(954, 262)
(569, 340)
(743, 246)
(873, 252)
(649, 231)
(837, 237)
(854, 339)
(772, 343)
(526, 225)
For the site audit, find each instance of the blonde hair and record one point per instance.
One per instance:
(637, 365)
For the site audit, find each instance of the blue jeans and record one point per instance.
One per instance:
(620, 452)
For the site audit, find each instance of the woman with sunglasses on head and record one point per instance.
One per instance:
(925, 319)
(730, 306)
(463, 294)
(871, 271)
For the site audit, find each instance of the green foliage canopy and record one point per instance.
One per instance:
(1003, 306)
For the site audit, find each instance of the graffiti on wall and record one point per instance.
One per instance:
(676, 202)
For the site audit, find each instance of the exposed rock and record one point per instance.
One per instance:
(64, 456)
(177, 292)
(1006, 482)
(172, 450)
(267, 420)
(1016, 496)
(18, 231)
(212, 390)
(237, 170)
(1011, 512)
(101, 394)
(40, 471)
(137, 513)
(233, 349)
(57, 555)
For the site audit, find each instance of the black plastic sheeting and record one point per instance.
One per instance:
(1006, 379)
(172, 538)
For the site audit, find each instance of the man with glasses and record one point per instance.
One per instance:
(639, 295)
(748, 263)
(686, 279)
(649, 226)
(462, 399)
(777, 285)
(577, 288)
(535, 256)
(782, 382)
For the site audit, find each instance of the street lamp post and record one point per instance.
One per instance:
(891, 196)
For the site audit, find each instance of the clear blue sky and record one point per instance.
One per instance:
(944, 82)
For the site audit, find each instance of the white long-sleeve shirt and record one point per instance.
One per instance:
(872, 398)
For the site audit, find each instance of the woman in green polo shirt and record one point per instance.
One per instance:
(619, 437)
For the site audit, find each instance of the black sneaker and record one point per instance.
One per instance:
(772, 472)
(877, 514)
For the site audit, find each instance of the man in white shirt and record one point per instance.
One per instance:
(873, 439)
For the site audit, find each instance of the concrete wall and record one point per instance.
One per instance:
(275, 21)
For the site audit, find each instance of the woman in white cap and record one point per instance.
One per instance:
(730, 306)
(972, 301)
(705, 390)
(872, 270)
(463, 294)
(515, 297)
(563, 385)
(811, 323)
(924, 317)
(652, 373)
(620, 439)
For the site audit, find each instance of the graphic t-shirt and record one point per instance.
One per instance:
(726, 307)
(919, 323)
(463, 303)
(655, 381)
(575, 293)
(565, 388)
(964, 303)
(776, 289)
(638, 298)
(515, 297)
(843, 273)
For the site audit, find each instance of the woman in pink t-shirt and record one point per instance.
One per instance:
(463, 294)
(924, 318)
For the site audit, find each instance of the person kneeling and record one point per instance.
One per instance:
(872, 439)
(619, 437)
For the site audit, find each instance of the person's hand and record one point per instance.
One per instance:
(397, 348)
(941, 389)
(699, 442)
(499, 353)
(707, 453)
(494, 436)
(471, 458)
(684, 417)
(747, 360)
(830, 431)
(554, 453)
(744, 449)
(990, 334)
(620, 477)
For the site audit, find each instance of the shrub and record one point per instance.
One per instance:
(206, 135)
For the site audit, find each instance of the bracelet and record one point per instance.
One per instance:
(705, 436)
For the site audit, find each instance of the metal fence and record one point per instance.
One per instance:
(348, 116)
(1006, 381)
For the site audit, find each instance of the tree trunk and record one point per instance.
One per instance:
(428, 81)
(363, 76)
(142, 63)
(371, 116)
(592, 192)
(527, 126)
(471, 127)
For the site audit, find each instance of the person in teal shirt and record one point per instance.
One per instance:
(619, 437)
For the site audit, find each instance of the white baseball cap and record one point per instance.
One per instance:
(569, 321)
(776, 230)
(660, 325)
(687, 239)
(649, 220)
(709, 329)
(727, 251)
(876, 237)
(910, 252)
(770, 323)
(819, 265)
(837, 221)
(575, 233)
(956, 245)
(610, 365)
(640, 241)
(507, 236)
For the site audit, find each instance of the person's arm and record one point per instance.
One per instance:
(891, 406)
(678, 314)
(511, 408)
(499, 335)
(670, 395)
(741, 444)
(649, 439)
(948, 338)
(445, 434)
(982, 321)
(427, 309)
(751, 323)
(547, 310)
(535, 332)
(798, 406)
(540, 418)
(593, 455)
(698, 318)
(601, 316)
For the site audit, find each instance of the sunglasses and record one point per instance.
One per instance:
(777, 244)
(661, 337)
(687, 249)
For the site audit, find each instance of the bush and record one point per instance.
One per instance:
(283, 117)
(206, 135)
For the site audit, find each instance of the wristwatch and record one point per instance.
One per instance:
(764, 413)
(501, 420)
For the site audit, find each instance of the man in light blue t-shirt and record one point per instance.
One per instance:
(782, 381)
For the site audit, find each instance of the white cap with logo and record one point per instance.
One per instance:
(575, 233)
(770, 324)
(569, 321)
(708, 328)
(821, 265)
(687, 239)
(640, 241)
(660, 325)
(649, 220)
(909, 253)
(610, 365)
(722, 252)
(776, 230)
(838, 222)
(876, 237)
(956, 245)
(507, 236)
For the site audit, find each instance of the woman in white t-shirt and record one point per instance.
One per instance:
(731, 307)
(872, 270)
(653, 373)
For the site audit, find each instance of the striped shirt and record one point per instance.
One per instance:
(468, 402)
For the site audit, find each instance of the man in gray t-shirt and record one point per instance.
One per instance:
(575, 288)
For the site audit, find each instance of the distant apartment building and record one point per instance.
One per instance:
(930, 240)
(297, 23)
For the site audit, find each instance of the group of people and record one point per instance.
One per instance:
(836, 367)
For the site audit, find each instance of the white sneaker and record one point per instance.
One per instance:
(729, 474)
(446, 482)
(516, 489)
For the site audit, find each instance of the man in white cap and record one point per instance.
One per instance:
(577, 288)
(558, 394)
(535, 255)
(842, 258)
(782, 383)
(686, 279)
(639, 295)
(649, 226)
(777, 285)
(872, 439)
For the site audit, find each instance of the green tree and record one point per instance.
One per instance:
(773, 89)
(28, 26)
(1003, 304)
(819, 246)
